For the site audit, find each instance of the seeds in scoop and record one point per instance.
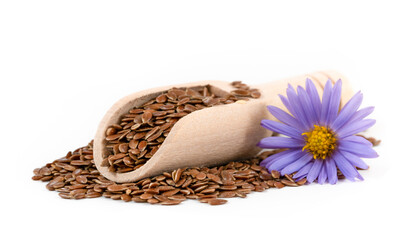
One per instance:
(200, 176)
(147, 115)
(142, 145)
(161, 98)
(154, 119)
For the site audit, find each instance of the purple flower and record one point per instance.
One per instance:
(319, 137)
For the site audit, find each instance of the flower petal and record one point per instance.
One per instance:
(281, 162)
(322, 177)
(345, 167)
(347, 111)
(280, 142)
(362, 113)
(354, 160)
(314, 97)
(297, 109)
(284, 117)
(303, 171)
(297, 165)
(357, 139)
(331, 170)
(358, 149)
(305, 103)
(282, 129)
(314, 171)
(355, 127)
(273, 157)
(334, 102)
(325, 102)
(287, 104)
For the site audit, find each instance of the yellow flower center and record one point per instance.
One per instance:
(320, 141)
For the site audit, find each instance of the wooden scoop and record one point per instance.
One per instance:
(211, 136)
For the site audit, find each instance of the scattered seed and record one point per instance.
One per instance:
(217, 201)
(208, 185)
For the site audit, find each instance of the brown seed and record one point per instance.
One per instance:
(128, 161)
(123, 148)
(187, 182)
(113, 137)
(76, 186)
(81, 179)
(155, 136)
(136, 126)
(227, 194)
(214, 178)
(160, 178)
(93, 195)
(166, 188)
(255, 94)
(151, 132)
(259, 189)
(126, 197)
(116, 188)
(183, 101)
(110, 131)
(171, 95)
(146, 196)
(139, 135)
(228, 187)
(289, 178)
(152, 201)
(279, 185)
(302, 181)
(167, 107)
(133, 144)
(200, 188)
(241, 92)
(289, 183)
(217, 201)
(275, 174)
(265, 176)
(171, 192)
(116, 156)
(207, 190)
(177, 174)
(147, 115)
(142, 145)
(171, 202)
(161, 98)
(189, 108)
(159, 114)
(136, 111)
(165, 126)
(200, 176)
(248, 186)
(65, 195)
(138, 200)
(178, 197)
(226, 176)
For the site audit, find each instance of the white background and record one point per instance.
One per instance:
(64, 63)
